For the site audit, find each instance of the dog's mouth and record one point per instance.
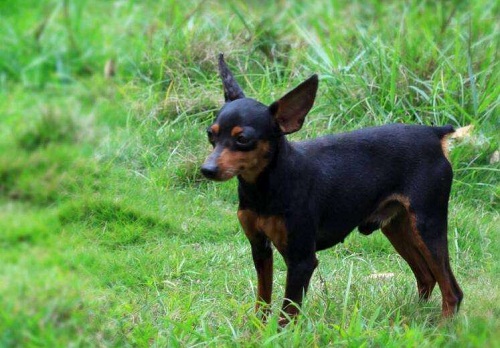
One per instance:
(213, 172)
(218, 175)
(225, 164)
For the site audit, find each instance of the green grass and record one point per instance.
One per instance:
(109, 236)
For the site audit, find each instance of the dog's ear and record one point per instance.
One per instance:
(291, 110)
(232, 90)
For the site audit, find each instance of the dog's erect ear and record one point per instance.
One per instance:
(232, 90)
(291, 110)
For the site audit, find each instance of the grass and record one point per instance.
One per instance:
(109, 235)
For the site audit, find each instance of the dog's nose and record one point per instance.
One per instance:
(209, 170)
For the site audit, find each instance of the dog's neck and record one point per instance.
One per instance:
(264, 192)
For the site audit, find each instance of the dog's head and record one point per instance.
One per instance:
(244, 130)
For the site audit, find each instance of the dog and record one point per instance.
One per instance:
(303, 197)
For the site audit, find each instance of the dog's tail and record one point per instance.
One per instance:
(462, 132)
(448, 132)
(443, 131)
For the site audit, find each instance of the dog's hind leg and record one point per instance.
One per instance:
(399, 233)
(430, 233)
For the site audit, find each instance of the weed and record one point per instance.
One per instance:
(51, 128)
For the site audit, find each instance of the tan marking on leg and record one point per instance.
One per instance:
(275, 229)
(388, 209)
(264, 267)
(409, 243)
(438, 269)
(292, 311)
(248, 220)
(398, 231)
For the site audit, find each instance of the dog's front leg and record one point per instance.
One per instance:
(262, 255)
(301, 261)
(263, 260)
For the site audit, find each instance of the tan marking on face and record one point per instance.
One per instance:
(236, 130)
(248, 164)
(215, 128)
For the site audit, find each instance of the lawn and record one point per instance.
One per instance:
(109, 236)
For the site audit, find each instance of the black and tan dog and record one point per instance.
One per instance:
(308, 196)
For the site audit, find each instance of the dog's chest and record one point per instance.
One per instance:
(272, 226)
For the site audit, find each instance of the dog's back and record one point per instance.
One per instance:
(351, 173)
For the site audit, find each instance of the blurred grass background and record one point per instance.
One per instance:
(110, 237)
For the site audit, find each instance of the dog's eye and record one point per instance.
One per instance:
(210, 135)
(242, 140)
